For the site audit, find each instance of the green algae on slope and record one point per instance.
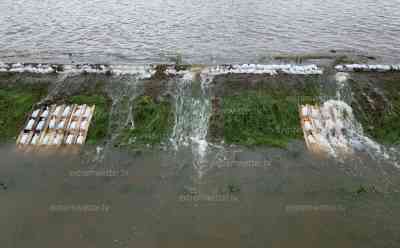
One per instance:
(153, 123)
(15, 104)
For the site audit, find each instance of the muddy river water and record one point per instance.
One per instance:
(261, 197)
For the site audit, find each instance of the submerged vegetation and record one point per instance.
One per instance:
(15, 104)
(152, 123)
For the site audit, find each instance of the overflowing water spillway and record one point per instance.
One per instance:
(192, 113)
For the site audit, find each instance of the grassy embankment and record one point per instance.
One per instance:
(15, 103)
(153, 123)
(390, 131)
(264, 117)
(380, 118)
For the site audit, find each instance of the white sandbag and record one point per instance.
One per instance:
(61, 124)
(70, 139)
(30, 124)
(366, 67)
(46, 139)
(80, 140)
(58, 139)
(66, 112)
(40, 126)
(24, 138)
(35, 139)
(84, 124)
(73, 125)
(52, 123)
(88, 112)
(78, 111)
(45, 114)
(57, 111)
(35, 113)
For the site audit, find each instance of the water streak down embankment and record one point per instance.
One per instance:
(192, 114)
(355, 137)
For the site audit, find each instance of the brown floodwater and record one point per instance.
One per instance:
(246, 198)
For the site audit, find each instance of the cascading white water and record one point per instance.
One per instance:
(341, 79)
(121, 114)
(192, 113)
(345, 122)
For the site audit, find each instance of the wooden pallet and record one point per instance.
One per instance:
(53, 137)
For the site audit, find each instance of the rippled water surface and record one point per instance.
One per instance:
(202, 31)
(156, 200)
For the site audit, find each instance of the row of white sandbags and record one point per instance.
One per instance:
(264, 69)
(366, 67)
(146, 71)
(32, 68)
(141, 71)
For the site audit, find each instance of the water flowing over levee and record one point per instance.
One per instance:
(122, 94)
(344, 122)
(192, 113)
